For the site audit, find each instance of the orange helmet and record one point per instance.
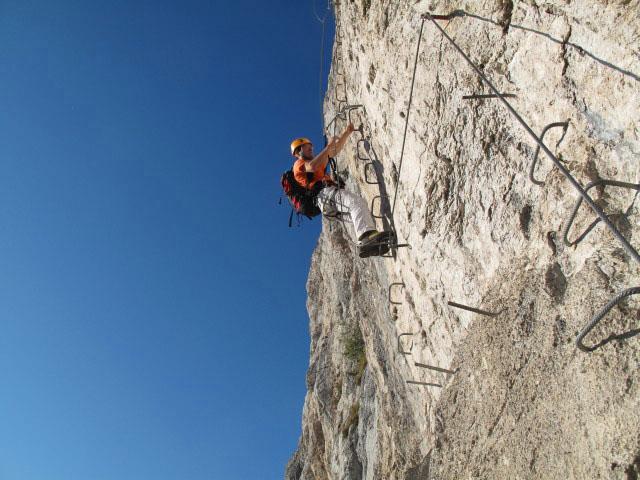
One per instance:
(298, 142)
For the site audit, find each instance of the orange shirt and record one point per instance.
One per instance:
(309, 179)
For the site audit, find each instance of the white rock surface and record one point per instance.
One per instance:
(525, 403)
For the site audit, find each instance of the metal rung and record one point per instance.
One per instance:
(612, 303)
(471, 309)
(346, 110)
(437, 369)
(488, 95)
(413, 382)
(373, 201)
(443, 17)
(351, 109)
(367, 147)
(366, 169)
(393, 285)
(392, 246)
(345, 92)
(395, 245)
(564, 125)
(615, 183)
(400, 344)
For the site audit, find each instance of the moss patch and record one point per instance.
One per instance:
(352, 421)
(362, 364)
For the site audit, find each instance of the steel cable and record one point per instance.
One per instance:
(544, 148)
(600, 314)
(406, 123)
(323, 22)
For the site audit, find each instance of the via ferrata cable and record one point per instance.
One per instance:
(406, 123)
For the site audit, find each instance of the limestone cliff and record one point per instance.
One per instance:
(524, 402)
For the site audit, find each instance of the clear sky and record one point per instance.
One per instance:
(152, 297)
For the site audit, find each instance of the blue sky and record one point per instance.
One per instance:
(152, 296)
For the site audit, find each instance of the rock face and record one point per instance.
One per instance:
(524, 402)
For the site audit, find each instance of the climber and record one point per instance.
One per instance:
(331, 199)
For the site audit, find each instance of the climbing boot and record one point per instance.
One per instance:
(375, 243)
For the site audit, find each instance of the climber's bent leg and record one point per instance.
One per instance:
(332, 200)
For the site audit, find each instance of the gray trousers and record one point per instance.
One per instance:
(332, 200)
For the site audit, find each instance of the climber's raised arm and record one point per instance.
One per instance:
(321, 160)
(337, 147)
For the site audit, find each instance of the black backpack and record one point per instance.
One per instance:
(303, 200)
